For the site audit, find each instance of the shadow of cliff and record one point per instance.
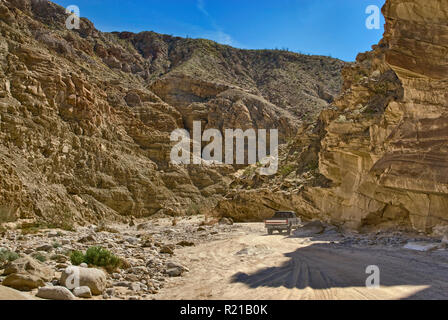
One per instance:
(325, 266)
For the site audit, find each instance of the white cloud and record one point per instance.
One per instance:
(201, 6)
(217, 34)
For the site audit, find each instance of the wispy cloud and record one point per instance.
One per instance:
(217, 34)
(201, 6)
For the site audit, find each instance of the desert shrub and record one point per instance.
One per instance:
(7, 255)
(56, 245)
(286, 170)
(77, 257)
(101, 257)
(193, 209)
(96, 256)
(40, 257)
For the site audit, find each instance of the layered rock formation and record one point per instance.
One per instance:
(379, 157)
(393, 165)
(86, 115)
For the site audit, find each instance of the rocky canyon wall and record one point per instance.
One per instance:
(86, 116)
(386, 151)
(381, 150)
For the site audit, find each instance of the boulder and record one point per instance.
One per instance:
(167, 249)
(174, 269)
(82, 292)
(87, 239)
(45, 247)
(422, 246)
(93, 278)
(226, 221)
(185, 243)
(55, 293)
(11, 294)
(28, 265)
(23, 282)
(26, 274)
(311, 228)
(174, 272)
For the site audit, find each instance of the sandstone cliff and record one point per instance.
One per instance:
(378, 157)
(85, 116)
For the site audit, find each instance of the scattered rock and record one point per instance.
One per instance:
(311, 228)
(93, 278)
(45, 247)
(27, 266)
(422, 246)
(174, 272)
(110, 292)
(167, 249)
(59, 258)
(174, 269)
(184, 243)
(445, 240)
(23, 282)
(87, 239)
(226, 221)
(83, 292)
(55, 293)
(135, 287)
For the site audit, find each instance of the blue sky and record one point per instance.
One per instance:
(324, 27)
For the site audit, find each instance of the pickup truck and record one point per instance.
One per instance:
(283, 221)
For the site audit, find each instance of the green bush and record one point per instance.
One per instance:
(6, 255)
(56, 245)
(40, 257)
(193, 209)
(286, 170)
(77, 257)
(101, 257)
(96, 256)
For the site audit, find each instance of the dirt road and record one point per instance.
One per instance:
(253, 265)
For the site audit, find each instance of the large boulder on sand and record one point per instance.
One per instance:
(11, 294)
(310, 229)
(29, 265)
(26, 274)
(23, 282)
(93, 278)
(55, 293)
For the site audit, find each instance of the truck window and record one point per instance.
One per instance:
(285, 215)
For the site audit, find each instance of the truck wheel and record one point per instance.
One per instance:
(270, 231)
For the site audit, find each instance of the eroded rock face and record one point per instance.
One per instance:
(86, 116)
(391, 166)
(379, 156)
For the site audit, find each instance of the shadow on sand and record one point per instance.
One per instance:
(325, 266)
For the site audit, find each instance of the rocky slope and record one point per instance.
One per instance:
(86, 115)
(378, 157)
